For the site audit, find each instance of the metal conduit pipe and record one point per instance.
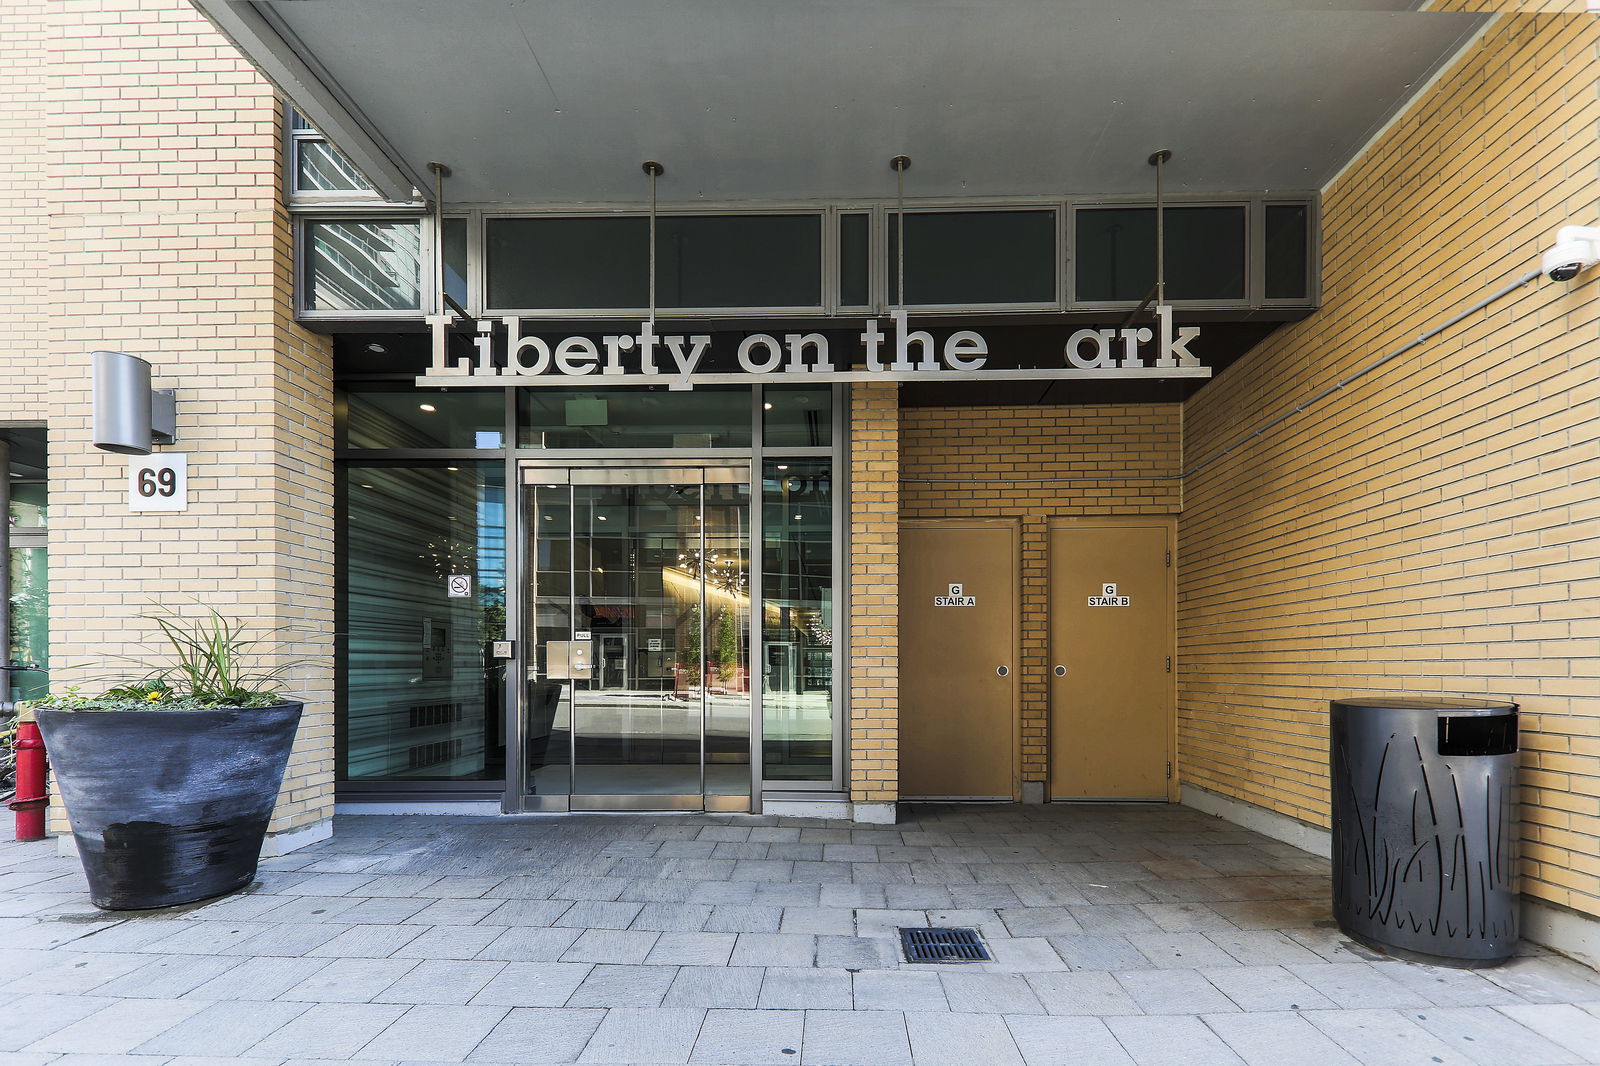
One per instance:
(1283, 416)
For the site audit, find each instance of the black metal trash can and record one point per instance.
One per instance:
(1425, 827)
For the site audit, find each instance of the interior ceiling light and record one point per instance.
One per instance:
(766, 407)
(428, 407)
(376, 349)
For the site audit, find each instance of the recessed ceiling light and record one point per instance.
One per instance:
(452, 468)
(798, 517)
(547, 518)
(427, 407)
(766, 407)
(602, 517)
(376, 349)
(783, 466)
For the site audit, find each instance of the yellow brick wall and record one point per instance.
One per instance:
(874, 593)
(166, 239)
(24, 213)
(1037, 463)
(1433, 529)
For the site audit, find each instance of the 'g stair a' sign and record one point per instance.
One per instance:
(955, 599)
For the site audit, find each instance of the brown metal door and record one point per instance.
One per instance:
(1111, 629)
(958, 677)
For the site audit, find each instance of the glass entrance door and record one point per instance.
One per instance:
(637, 693)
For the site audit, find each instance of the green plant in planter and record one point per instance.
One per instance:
(169, 779)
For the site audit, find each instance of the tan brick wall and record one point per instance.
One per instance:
(874, 593)
(1034, 464)
(24, 213)
(159, 162)
(1433, 529)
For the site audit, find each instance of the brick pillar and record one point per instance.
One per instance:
(874, 599)
(169, 240)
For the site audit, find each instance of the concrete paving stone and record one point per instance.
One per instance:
(888, 922)
(796, 852)
(441, 981)
(1050, 1041)
(619, 946)
(1487, 1036)
(119, 1028)
(774, 949)
(523, 886)
(1084, 952)
(824, 835)
(961, 1040)
(787, 894)
(1448, 987)
(651, 890)
(822, 873)
(623, 986)
(31, 904)
(386, 910)
(459, 887)
(167, 977)
(1110, 919)
(1386, 1037)
(990, 993)
(287, 940)
(852, 896)
(321, 884)
(112, 935)
(1547, 979)
(991, 897)
(1174, 992)
(661, 1035)
(343, 864)
(900, 990)
(831, 921)
(65, 972)
(205, 938)
(238, 908)
(402, 885)
(277, 882)
(1261, 947)
(1266, 988)
(881, 873)
(258, 979)
(218, 1060)
(671, 917)
(630, 849)
(34, 1017)
(775, 870)
(1331, 944)
(595, 914)
(707, 986)
(329, 1031)
(700, 869)
(749, 1037)
(742, 850)
(1088, 992)
(223, 1028)
(315, 908)
(721, 893)
(1356, 985)
(435, 1033)
(456, 912)
(723, 832)
(1186, 917)
(1274, 1038)
(775, 834)
(1165, 1040)
(1576, 1030)
(1046, 894)
(1025, 955)
(1179, 950)
(877, 837)
(692, 949)
(532, 984)
(800, 988)
(530, 912)
(349, 981)
(849, 853)
(856, 1038)
(674, 831)
(858, 952)
(918, 897)
(450, 942)
(367, 942)
(686, 849)
(529, 945)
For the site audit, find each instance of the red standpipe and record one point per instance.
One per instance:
(31, 800)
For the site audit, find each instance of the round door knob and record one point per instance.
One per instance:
(1061, 671)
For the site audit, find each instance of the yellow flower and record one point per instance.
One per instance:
(155, 695)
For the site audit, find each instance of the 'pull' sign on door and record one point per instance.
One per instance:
(158, 482)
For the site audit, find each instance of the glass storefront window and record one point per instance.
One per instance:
(400, 416)
(796, 417)
(423, 699)
(975, 257)
(455, 259)
(28, 505)
(1116, 253)
(363, 265)
(1287, 227)
(30, 622)
(320, 168)
(854, 258)
(797, 619)
(635, 416)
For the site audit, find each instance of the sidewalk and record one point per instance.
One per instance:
(1122, 935)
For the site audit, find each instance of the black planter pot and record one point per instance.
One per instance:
(168, 807)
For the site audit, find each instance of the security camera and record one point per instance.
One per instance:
(1577, 249)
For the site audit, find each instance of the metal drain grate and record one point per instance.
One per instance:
(943, 945)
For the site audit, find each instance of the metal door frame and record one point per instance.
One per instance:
(748, 472)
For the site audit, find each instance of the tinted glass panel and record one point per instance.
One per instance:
(455, 259)
(318, 168)
(854, 260)
(976, 257)
(567, 262)
(404, 417)
(793, 416)
(1116, 253)
(423, 700)
(28, 506)
(30, 623)
(634, 417)
(363, 266)
(1286, 239)
(797, 619)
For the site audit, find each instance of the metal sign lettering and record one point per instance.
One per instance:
(510, 357)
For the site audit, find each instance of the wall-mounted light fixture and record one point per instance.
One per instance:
(129, 416)
(1577, 249)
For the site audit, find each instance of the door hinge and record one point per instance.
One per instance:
(1169, 771)
(1169, 558)
(1169, 664)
